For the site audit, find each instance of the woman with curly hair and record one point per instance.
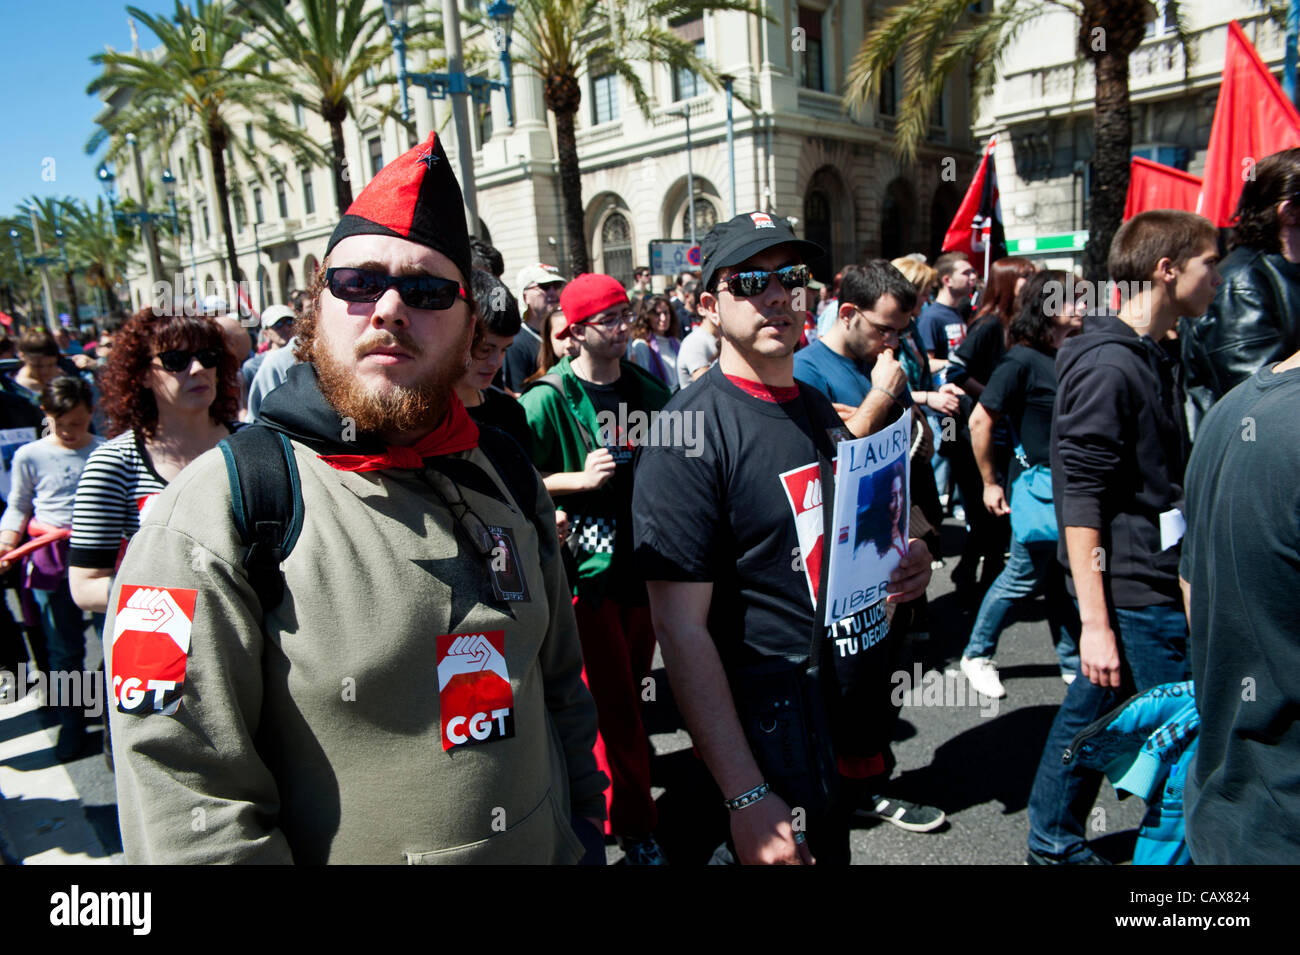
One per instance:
(171, 392)
(655, 337)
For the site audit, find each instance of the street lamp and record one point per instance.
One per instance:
(107, 180)
(685, 111)
(169, 181)
(257, 262)
(502, 15)
(455, 82)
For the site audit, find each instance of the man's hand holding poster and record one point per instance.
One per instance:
(870, 518)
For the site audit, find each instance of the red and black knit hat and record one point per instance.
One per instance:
(415, 197)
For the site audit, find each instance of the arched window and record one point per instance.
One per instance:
(286, 282)
(616, 248)
(265, 291)
(817, 228)
(706, 217)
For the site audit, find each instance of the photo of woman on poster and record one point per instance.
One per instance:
(881, 527)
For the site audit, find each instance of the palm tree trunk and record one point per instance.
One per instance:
(342, 183)
(217, 152)
(74, 311)
(566, 144)
(1113, 121)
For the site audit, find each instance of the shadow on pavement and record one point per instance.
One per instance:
(995, 761)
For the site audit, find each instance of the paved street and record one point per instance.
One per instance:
(977, 768)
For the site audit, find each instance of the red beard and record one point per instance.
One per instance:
(418, 407)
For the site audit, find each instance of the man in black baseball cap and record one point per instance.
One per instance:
(729, 529)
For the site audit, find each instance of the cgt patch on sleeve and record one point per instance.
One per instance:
(151, 644)
(475, 698)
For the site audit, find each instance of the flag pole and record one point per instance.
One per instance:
(988, 225)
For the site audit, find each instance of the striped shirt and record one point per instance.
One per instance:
(116, 486)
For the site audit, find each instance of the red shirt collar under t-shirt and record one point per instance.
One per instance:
(777, 394)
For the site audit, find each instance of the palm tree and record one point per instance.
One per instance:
(51, 214)
(937, 38)
(331, 43)
(205, 75)
(562, 38)
(94, 236)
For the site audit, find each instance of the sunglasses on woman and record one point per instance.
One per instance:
(178, 359)
(417, 291)
(747, 284)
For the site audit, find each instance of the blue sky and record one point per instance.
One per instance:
(45, 114)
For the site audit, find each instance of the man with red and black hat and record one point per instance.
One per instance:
(729, 537)
(414, 695)
(587, 416)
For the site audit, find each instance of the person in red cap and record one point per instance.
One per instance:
(399, 681)
(586, 416)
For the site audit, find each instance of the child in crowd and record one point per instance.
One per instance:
(45, 476)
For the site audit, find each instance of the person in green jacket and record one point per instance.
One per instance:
(587, 415)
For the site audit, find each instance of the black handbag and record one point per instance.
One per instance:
(782, 705)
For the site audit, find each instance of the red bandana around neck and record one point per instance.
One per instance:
(777, 394)
(457, 432)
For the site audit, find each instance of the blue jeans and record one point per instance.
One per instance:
(1152, 650)
(1031, 567)
(938, 464)
(65, 628)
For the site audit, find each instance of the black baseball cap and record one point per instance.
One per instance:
(732, 242)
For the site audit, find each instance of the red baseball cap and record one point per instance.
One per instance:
(587, 295)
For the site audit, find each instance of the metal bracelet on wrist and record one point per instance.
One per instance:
(749, 798)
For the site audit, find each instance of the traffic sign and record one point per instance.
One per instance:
(671, 256)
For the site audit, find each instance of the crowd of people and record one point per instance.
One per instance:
(418, 477)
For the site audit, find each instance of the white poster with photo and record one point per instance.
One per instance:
(871, 507)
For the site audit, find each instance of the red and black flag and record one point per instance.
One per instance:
(977, 227)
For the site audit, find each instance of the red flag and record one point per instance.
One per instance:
(978, 221)
(244, 300)
(1252, 119)
(1153, 185)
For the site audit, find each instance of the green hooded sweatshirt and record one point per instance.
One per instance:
(565, 429)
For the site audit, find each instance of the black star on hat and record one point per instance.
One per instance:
(428, 158)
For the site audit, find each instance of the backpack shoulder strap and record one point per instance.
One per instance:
(556, 382)
(266, 500)
(513, 465)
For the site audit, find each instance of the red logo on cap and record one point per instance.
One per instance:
(762, 220)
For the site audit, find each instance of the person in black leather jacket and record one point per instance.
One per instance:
(1255, 317)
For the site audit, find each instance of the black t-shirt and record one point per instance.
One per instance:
(983, 348)
(501, 411)
(1023, 389)
(723, 510)
(1240, 555)
(626, 585)
(520, 359)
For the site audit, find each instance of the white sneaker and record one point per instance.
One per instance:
(982, 673)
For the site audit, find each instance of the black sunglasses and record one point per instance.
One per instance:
(746, 284)
(179, 360)
(417, 291)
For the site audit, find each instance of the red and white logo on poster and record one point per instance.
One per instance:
(804, 491)
(151, 644)
(474, 694)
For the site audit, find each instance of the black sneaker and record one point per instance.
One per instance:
(904, 814)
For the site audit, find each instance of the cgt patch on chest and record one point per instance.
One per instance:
(476, 701)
